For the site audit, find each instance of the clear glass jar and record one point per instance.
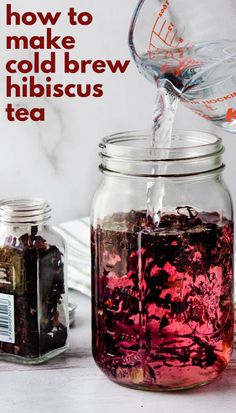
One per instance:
(162, 262)
(33, 284)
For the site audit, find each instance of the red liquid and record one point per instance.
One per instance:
(163, 311)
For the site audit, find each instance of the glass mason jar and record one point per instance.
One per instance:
(162, 262)
(33, 283)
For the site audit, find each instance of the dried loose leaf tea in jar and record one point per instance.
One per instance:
(33, 283)
(162, 262)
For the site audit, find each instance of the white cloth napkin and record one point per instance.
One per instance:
(77, 236)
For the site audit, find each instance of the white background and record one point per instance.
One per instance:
(58, 159)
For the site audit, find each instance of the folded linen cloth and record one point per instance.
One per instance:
(77, 236)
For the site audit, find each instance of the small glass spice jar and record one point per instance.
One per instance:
(162, 262)
(34, 320)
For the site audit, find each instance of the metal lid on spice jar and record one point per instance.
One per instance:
(32, 211)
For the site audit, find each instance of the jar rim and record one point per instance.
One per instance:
(132, 154)
(197, 144)
(18, 211)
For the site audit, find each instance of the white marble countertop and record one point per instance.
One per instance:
(73, 384)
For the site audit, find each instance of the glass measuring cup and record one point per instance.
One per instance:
(190, 47)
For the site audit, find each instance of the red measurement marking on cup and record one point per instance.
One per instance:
(231, 115)
(164, 30)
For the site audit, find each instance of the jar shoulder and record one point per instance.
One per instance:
(116, 195)
(13, 235)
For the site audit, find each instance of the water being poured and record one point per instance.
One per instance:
(163, 119)
(201, 76)
(163, 116)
